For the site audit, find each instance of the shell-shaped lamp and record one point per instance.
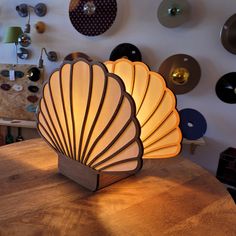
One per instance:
(88, 118)
(155, 108)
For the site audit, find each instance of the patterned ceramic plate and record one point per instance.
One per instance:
(92, 17)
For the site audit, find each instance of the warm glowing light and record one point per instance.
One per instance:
(155, 108)
(88, 118)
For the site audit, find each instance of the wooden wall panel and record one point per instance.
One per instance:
(13, 104)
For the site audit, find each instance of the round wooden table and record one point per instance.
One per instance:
(167, 197)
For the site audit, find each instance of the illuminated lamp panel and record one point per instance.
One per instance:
(155, 108)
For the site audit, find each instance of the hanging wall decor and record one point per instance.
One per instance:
(173, 13)
(126, 50)
(92, 17)
(23, 10)
(192, 124)
(226, 88)
(181, 72)
(18, 93)
(88, 118)
(228, 34)
(75, 56)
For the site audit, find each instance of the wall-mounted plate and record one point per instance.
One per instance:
(226, 88)
(173, 13)
(33, 74)
(181, 73)
(18, 74)
(228, 34)
(75, 55)
(17, 87)
(126, 50)
(92, 17)
(192, 124)
(5, 87)
(33, 89)
(32, 98)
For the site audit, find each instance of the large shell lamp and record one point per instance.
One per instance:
(86, 115)
(100, 127)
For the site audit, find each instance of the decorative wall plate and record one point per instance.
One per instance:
(76, 55)
(31, 108)
(17, 87)
(126, 50)
(192, 124)
(18, 74)
(92, 17)
(32, 98)
(33, 74)
(226, 88)
(181, 72)
(5, 87)
(33, 89)
(23, 53)
(173, 13)
(155, 108)
(228, 34)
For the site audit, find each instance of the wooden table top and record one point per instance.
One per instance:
(167, 197)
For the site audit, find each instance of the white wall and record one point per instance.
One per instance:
(137, 23)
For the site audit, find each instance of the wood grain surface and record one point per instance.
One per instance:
(167, 197)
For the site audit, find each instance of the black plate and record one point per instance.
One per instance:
(92, 17)
(228, 34)
(33, 74)
(226, 88)
(33, 89)
(126, 50)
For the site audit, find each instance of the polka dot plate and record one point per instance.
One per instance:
(92, 17)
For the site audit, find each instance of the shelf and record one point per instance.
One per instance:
(194, 144)
(18, 123)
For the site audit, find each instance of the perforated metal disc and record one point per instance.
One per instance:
(92, 17)
(173, 13)
(226, 88)
(181, 61)
(228, 34)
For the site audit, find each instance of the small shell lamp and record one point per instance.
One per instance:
(87, 116)
(155, 108)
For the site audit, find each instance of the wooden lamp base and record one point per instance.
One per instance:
(86, 176)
